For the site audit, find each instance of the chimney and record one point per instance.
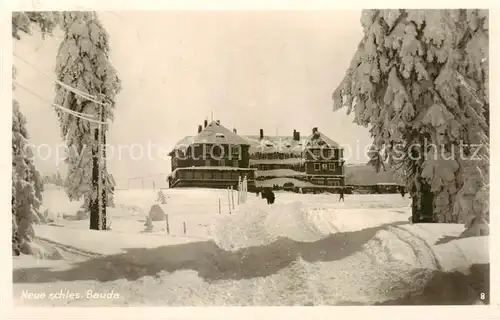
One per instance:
(200, 128)
(298, 136)
(218, 122)
(205, 123)
(294, 136)
(315, 129)
(261, 134)
(234, 131)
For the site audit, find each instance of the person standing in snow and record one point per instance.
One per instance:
(270, 197)
(341, 194)
(402, 191)
(268, 194)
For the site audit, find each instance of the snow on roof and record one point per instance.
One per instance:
(321, 139)
(214, 133)
(282, 144)
(286, 144)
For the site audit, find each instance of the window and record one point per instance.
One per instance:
(198, 175)
(332, 182)
(217, 175)
(324, 167)
(219, 135)
(207, 175)
(226, 175)
(188, 174)
(318, 181)
(327, 153)
(222, 162)
(207, 163)
(316, 167)
(235, 152)
(316, 152)
(208, 151)
(331, 166)
(236, 163)
(234, 175)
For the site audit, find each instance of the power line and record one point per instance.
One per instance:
(84, 94)
(75, 113)
(67, 87)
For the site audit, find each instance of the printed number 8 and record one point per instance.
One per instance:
(482, 296)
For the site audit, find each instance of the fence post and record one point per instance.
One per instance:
(219, 207)
(245, 188)
(240, 199)
(232, 196)
(184, 225)
(166, 223)
(229, 200)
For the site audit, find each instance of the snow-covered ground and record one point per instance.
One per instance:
(302, 250)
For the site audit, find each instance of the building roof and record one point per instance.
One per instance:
(213, 133)
(286, 144)
(319, 139)
(281, 144)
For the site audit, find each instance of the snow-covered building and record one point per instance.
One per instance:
(313, 161)
(216, 158)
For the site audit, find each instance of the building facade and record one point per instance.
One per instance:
(218, 158)
(324, 163)
(215, 158)
(291, 161)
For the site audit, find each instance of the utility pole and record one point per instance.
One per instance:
(98, 198)
(94, 197)
(103, 203)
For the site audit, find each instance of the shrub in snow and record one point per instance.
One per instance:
(161, 199)
(148, 225)
(82, 214)
(420, 80)
(156, 213)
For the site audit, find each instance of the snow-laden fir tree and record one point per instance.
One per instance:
(27, 184)
(83, 63)
(419, 79)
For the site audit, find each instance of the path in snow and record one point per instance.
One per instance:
(290, 253)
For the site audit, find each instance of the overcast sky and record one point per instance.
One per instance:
(269, 70)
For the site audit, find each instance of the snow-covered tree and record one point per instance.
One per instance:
(419, 80)
(83, 63)
(27, 184)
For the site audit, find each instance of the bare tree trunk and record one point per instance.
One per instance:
(423, 204)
